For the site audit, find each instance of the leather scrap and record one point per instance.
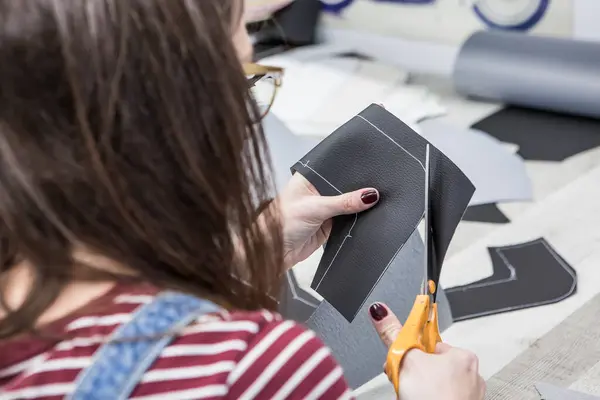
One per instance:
(525, 275)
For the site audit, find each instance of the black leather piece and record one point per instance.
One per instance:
(525, 275)
(489, 213)
(376, 149)
(542, 135)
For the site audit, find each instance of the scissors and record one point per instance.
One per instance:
(421, 330)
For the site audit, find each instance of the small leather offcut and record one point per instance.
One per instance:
(376, 149)
(525, 275)
(542, 135)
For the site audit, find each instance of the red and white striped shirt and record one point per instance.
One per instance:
(237, 355)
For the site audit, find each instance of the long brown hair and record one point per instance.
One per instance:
(127, 129)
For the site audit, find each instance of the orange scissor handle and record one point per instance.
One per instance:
(417, 333)
(431, 332)
(409, 338)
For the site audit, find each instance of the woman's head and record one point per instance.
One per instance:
(127, 130)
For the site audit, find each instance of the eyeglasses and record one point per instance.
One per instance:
(264, 82)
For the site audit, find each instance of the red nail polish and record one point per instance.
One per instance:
(378, 312)
(369, 197)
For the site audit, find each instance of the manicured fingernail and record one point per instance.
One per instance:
(378, 312)
(369, 197)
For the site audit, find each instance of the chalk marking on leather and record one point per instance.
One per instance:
(393, 141)
(305, 165)
(414, 228)
(295, 293)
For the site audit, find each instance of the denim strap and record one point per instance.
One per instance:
(119, 364)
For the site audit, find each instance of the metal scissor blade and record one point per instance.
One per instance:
(427, 230)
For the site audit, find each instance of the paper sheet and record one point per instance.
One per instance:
(498, 175)
(322, 88)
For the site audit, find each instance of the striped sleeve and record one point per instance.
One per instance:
(286, 361)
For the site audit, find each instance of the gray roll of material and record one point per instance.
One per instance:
(545, 73)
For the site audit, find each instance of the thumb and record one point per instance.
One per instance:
(347, 203)
(385, 322)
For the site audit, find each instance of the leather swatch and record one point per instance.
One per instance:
(376, 149)
(542, 135)
(525, 275)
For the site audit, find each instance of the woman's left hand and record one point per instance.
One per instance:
(306, 215)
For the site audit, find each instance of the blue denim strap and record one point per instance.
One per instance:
(120, 363)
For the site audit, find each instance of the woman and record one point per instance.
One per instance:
(131, 162)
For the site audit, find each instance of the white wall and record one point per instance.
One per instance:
(420, 40)
(585, 20)
(445, 21)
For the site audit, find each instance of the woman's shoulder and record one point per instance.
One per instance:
(223, 354)
(252, 355)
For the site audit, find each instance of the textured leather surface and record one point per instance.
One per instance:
(376, 149)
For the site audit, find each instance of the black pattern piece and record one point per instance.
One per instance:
(525, 275)
(376, 149)
(542, 135)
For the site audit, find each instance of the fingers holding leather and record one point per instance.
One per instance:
(322, 208)
(351, 202)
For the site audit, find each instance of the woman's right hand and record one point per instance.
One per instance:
(449, 374)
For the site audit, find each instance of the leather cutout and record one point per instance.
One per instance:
(376, 149)
(489, 213)
(525, 275)
(542, 135)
